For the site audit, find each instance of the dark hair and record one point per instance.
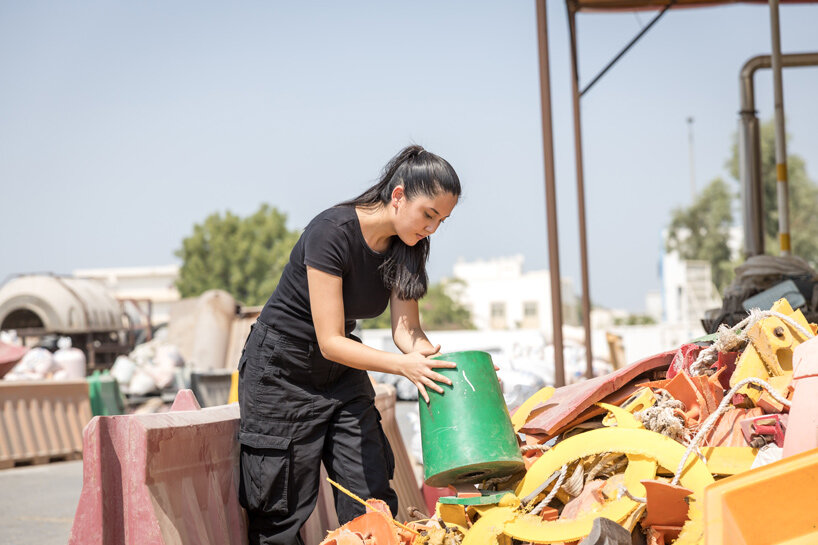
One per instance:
(420, 173)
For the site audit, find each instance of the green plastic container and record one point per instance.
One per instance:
(104, 394)
(466, 432)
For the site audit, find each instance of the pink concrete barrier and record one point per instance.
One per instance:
(802, 426)
(158, 479)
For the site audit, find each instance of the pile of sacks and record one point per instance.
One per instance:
(66, 363)
(151, 367)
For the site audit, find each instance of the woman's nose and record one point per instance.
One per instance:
(430, 228)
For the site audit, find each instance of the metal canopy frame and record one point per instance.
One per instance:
(573, 7)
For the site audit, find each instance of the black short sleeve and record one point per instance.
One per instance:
(326, 248)
(332, 243)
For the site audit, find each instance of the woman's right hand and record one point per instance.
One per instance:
(418, 367)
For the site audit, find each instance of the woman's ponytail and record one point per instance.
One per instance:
(420, 173)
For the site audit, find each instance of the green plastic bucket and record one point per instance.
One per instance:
(466, 432)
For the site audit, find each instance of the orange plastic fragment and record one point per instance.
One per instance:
(344, 537)
(667, 505)
(376, 526)
(662, 535)
(683, 388)
(585, 502)
(769, 405)
(469, 494)
(727, 431)
(549, 514)
(770, 505)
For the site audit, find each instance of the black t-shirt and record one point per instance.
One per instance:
(332, 243)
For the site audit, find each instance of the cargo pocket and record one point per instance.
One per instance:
(265, 473)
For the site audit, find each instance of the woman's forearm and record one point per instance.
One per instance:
(409, 337)
(359, 356)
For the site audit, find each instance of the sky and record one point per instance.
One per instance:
(122, 124)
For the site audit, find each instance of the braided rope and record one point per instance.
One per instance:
(721, 409)
(550, 496)
(528, 448)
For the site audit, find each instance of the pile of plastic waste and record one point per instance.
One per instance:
(151, 367)
(634, 456)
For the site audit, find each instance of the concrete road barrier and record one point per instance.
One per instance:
(42, 420)
(158, 479)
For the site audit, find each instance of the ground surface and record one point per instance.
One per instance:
(37, 503)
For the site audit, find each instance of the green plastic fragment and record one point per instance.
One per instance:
(487, 498)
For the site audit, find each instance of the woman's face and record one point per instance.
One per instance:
(420, 216)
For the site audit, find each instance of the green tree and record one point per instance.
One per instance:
(635, 319)
(701, 231)
(243, 256)
(803, 198)
(438, 311)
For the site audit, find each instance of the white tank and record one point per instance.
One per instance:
(69, 360)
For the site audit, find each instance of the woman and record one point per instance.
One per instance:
(304, 392)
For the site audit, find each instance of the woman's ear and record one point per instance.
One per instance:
(397, 195)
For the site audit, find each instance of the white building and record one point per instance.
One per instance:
(500, 295)
(140, 285)
(688, 289)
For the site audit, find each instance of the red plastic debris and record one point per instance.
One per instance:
(683, 359)
(771, 426)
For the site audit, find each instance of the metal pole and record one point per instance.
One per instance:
(550, 192)
(583, 243)
(780, 135)
(750, 146)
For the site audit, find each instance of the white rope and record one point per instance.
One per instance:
(729, 337)
(550, 496)
(722, 408)
(624, 492)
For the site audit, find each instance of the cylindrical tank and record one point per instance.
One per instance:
(71, 361)
(466, 432)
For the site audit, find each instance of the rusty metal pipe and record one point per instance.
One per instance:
(550, 192)
(583, 241)
(750, 146)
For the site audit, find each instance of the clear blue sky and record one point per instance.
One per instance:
(122, 124)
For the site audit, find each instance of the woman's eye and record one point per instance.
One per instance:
(427, 215)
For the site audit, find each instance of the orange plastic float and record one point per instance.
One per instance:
(776, 504)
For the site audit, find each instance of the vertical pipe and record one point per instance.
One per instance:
(751, 191)
(750, 147)
(583, 243)
(550, 192)
(780, 135)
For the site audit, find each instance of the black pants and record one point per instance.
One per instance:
(297, 410)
